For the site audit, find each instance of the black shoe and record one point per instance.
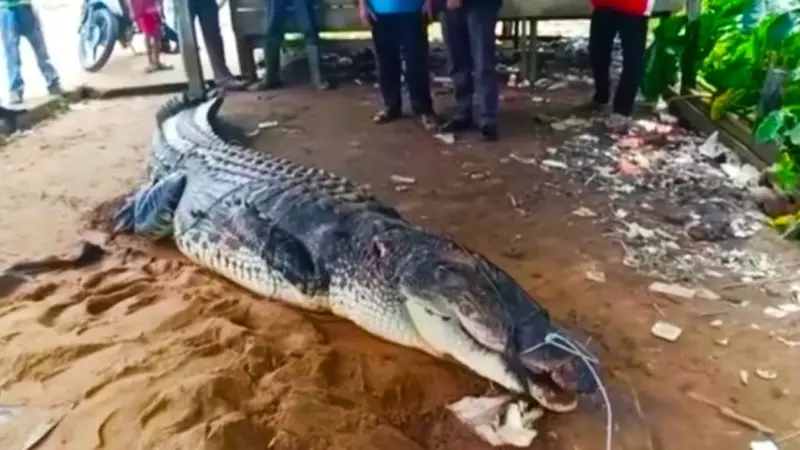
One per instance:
(456, 125)
(489, 133)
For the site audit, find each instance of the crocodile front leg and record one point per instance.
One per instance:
(151, 210)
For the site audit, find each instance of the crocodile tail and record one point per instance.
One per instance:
(175, 105)
(207, 118)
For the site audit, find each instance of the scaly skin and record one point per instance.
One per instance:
(317, 241)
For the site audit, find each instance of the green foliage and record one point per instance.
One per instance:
(732, 46)
(782, 127)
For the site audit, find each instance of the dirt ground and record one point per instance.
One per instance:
(148, 348)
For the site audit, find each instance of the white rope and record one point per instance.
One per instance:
(559, 341)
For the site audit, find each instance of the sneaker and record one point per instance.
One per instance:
(15, 98)
(617, 122)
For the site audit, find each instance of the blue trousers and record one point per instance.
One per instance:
(470, 40)
(17, 22)
(402, 38)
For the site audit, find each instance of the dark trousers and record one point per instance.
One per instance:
(470, 41)
(207, 13)
(402, 38)
(278, 11)
(606, 24)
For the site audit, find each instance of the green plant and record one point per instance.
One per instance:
(782, 127)
(729, 46)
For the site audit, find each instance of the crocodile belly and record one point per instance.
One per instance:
(248, 271)
(387, 319)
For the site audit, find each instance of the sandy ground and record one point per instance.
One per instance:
(147, 348)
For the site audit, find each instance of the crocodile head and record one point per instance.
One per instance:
(490, 312)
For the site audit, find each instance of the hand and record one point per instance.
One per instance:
(365, 15)
(453, 4)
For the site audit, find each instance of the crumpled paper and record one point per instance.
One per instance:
(499, 420)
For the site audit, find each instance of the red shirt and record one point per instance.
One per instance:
(144, 7)
(633, 7)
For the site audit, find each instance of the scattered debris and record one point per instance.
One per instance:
(263, 126)
(731, 414)
(706, 294)
(781, 311)
(522, 159)
(400, 179)
(486, 416)
(764, 444)
(765, 374)
(570, 123)
(596, 276)
(554, 164)
(666, 331)
(584, 212)
(744, 377)
(686, 207)
(674, 290)
(722, 342)
(447, 138)
(787, 342)
(716, 323)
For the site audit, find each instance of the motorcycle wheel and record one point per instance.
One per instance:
(97, 39)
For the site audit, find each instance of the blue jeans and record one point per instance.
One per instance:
(21, 21)
(469, 37)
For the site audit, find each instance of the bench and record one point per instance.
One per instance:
(519, 19)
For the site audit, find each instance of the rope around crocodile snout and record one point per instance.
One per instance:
(562, 342)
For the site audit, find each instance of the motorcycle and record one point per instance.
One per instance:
(106, 22)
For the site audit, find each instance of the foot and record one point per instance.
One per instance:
(55, 89)
(231, 84)
(489, 133)
(385, 116)
(456, 125)
(15, 98)
(323, 85)
(157, 67)
(593, 106)
(429, 122)
(265, 85)
(618, 123)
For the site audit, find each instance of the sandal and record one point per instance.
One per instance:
(385, 116)
(429, 122)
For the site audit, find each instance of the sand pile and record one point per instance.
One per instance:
(154, 351)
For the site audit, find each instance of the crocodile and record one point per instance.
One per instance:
(319, 242)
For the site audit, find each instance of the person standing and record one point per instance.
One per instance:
(468, 28)
(400, 35)
(20, 19)
(629, 19)
(207, 13)
(277, 11)
(147, 14)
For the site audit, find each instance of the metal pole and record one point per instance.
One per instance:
(189, 52)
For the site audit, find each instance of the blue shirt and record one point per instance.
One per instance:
(395, 6)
